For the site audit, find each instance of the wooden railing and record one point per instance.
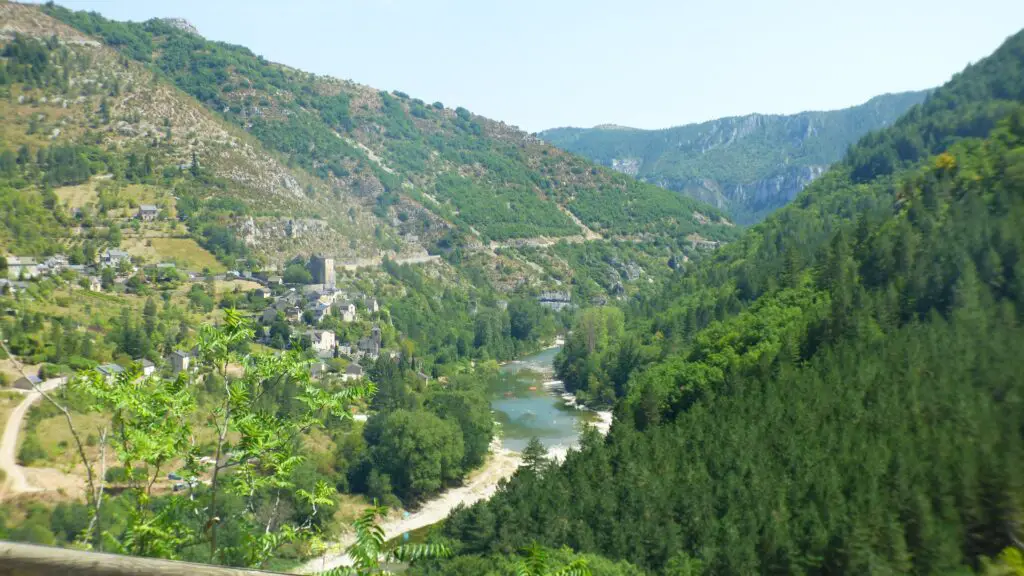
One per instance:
(18, 559)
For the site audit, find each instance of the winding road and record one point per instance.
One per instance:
(16, 482)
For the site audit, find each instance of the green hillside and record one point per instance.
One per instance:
(837, 392)
(748, 165)
(439, 168)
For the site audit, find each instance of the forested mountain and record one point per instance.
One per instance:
(837, 392)
(748, 165)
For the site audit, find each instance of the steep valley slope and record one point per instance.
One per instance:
(329, 165)
(747, 165)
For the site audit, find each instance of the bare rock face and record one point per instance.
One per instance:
(181, 24)
(629, 166)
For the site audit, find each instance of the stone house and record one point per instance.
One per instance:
(148, 212)
(114, 256)
(346, 311)
(181, 361)
(322, 341)
(352, 372)
(110, 371)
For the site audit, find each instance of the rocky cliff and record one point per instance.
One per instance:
(747, 165)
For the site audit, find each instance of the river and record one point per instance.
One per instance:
(527, 402)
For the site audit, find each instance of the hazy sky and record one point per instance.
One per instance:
(645, 63)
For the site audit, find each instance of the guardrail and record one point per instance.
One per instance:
(17, 559)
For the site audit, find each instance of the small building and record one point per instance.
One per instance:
(148, 368)
(27, 382)
(289, 299)
(181, 361)
(369, 346)
(325, 296)
(269, 315)
(372, 305)
(321, 312)
(347, 311)
(275, 280)
(55, 263)
(95, 284)
(293, 314)
(148, 212)
(422, 376)
(114, 257)
(21, 267)
(322, 341)
(109, 371)
(317, 369)
(352, 372)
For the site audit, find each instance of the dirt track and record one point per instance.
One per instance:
(17, 482)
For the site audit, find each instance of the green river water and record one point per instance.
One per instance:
(525, 407)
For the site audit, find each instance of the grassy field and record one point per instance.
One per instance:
(185, 251)
(224, 286)
(56, 440)
(77, 196)
(11, 373)
(84, 306)
(8, 400)
(132, 195)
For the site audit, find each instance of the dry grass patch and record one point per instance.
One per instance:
(77, 196)
(225, 286)
(350, 506)
(8, 401)
(59, 445)
(10, 370)
(187, 252)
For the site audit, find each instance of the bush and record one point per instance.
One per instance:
(120, 474)
(47, 371)
(297, 274)
(34, 533)
(31, 450)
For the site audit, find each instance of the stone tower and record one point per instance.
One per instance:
(322, 269)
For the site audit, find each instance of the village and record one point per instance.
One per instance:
(292, 316)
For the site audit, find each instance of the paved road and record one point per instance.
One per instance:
(16, 482)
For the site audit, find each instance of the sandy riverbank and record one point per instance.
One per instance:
(482, 484)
